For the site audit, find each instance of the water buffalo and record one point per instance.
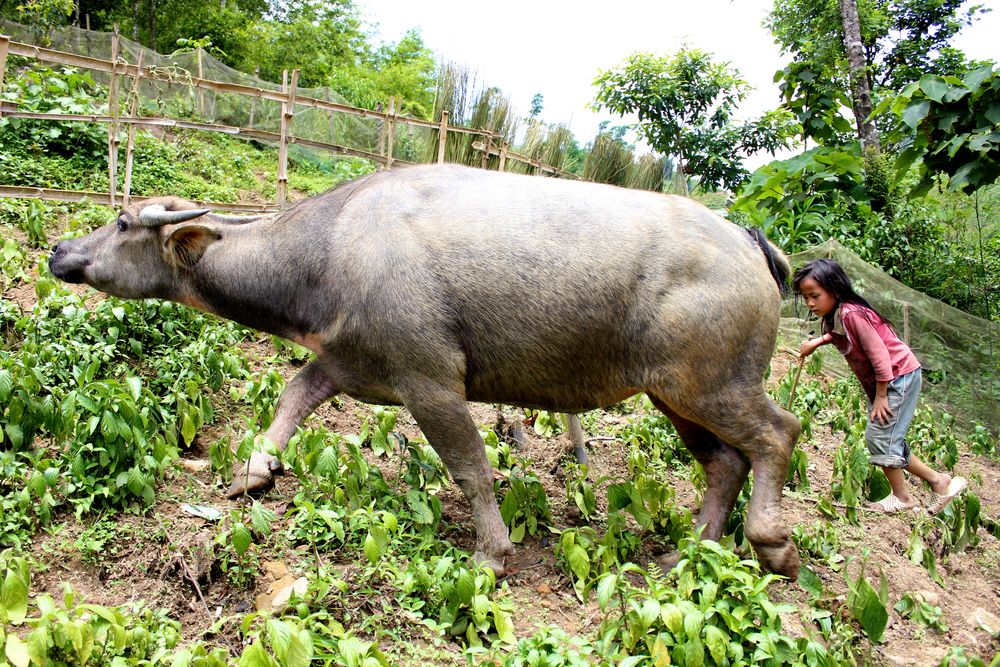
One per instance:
(431, 286)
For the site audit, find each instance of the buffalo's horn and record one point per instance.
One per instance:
(238, 219)
(156, 215)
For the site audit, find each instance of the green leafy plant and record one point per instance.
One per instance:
(525, 506)
(580, 490)
(712, 608)
(549, 647)
(915, 608)
(867, 605)
(951, 123)
(585, 557)
(819, 541)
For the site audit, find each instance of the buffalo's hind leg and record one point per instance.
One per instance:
(726, 468)
(764, 434)
(444, 418)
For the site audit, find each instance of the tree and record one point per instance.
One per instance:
(901, 40)
(953, 126)
(861, 95)
(685, 105)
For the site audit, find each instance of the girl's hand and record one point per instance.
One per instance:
(809, 346)
(881, 413)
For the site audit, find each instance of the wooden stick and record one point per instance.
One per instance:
(4, 44)
(442, 136)
(201, 93)
(390, 133)
(113, 126)
(795, 382)
(287, 111)
(126, 191)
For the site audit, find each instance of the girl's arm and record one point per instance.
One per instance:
(878, 354)
(810, 346)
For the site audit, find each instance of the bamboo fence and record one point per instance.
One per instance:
(121, 73)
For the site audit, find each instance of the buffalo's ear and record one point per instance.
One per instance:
(186, 244)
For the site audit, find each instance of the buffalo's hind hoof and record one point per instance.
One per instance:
(781, 558)
(254, 477)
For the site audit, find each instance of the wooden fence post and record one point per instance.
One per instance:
(253, 100)
(4, 44)
(201, 93)
(390, 134)
(503, 155)
(485, 160)
(113, 125)
(130, 146)
(329, 116)
(442, 136)
(287, 111)
(906, 322)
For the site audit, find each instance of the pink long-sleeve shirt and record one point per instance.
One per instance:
(872, 349)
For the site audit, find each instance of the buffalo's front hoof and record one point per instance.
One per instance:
(256, 476)
(498, 565)
(781, 558)
(495, 558)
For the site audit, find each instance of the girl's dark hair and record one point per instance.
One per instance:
(831, 277)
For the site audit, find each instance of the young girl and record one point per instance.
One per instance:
(887, 370)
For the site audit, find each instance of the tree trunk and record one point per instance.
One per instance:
(860, 92)
(135, 20)
(152, 24)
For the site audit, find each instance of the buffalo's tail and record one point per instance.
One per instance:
(777, 263)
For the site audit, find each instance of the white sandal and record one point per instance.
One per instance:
(940, 501)
(889, 505)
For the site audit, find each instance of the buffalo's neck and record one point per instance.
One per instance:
(256, 277)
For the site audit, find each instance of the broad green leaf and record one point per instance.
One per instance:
(16, 651)
(618, 497)
(934, 86)
(673, 618)
(352, 651)
(465, 586)
(717, 642)
(188, 429)
(262, 518)
(517, 533)
(255, 656)
(915, 112)
(648, 612)
(579, 561)
(300, 649)
(810, 582)
(372, 550)
(14, 597)
(6, 385)
(993, 113)
(692, 623)
(503, 624)
(867, 608)
(241, 538)
(606, 588)
(660, 654)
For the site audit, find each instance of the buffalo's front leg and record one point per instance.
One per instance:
(444, 418)
(310, 388)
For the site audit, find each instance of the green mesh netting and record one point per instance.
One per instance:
(958, 351)
(176, 98)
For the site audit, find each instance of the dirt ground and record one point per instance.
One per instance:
(151, 559)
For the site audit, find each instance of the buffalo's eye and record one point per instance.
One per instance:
(122, 225)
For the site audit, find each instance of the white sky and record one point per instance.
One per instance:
(557, 47)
